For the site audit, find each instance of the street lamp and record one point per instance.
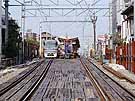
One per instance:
(94, 20)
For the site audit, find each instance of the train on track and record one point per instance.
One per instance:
(68, 47)
(50, 48)
(61, 48)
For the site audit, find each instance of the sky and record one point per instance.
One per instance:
(73, 29)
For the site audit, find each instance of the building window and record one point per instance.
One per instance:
(131, 26)
(49, 38)
(44, 38)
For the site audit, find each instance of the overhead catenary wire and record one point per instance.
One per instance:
(40, 5)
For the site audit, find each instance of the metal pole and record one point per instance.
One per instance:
(0, 30)
(114, 16)
(109, 18)
(23, 29)
(114, 27)
(94, 19)
(6, 20)
(40, 48)
(94, 27)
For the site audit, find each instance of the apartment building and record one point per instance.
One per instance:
(122, 18)
(47, 36)
(128, 22)
(125, 53)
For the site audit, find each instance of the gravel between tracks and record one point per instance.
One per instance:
(10, 72)
(7, 74)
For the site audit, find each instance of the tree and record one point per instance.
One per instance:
(117, 40)
(32, 41)
(11, 48)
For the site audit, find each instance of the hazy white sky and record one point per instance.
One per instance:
(82, 30)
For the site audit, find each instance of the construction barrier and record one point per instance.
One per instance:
(118, 54)
(133, 55)
(124, 55)
(127, 56)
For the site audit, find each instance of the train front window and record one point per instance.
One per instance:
(51, 45)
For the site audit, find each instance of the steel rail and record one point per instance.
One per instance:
(14, 83)
(132, 96)
(33, 88)
(103, 95)
(119, 75)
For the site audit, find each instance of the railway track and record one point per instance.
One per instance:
(108, 89)
(22, 88)
(119, 75)
(65, 80)
(15, 80)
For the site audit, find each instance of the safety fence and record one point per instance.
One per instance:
(125, 55)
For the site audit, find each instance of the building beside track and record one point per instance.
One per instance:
(124, 39)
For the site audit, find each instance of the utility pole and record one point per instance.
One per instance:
(114, 26)
(110, 27)
(0, 30)
(6, 20)
(23, 29)
(94, 20)
(114, 16)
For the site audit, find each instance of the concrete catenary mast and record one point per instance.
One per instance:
(114, 23)
(114, 16)
(6, 20)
